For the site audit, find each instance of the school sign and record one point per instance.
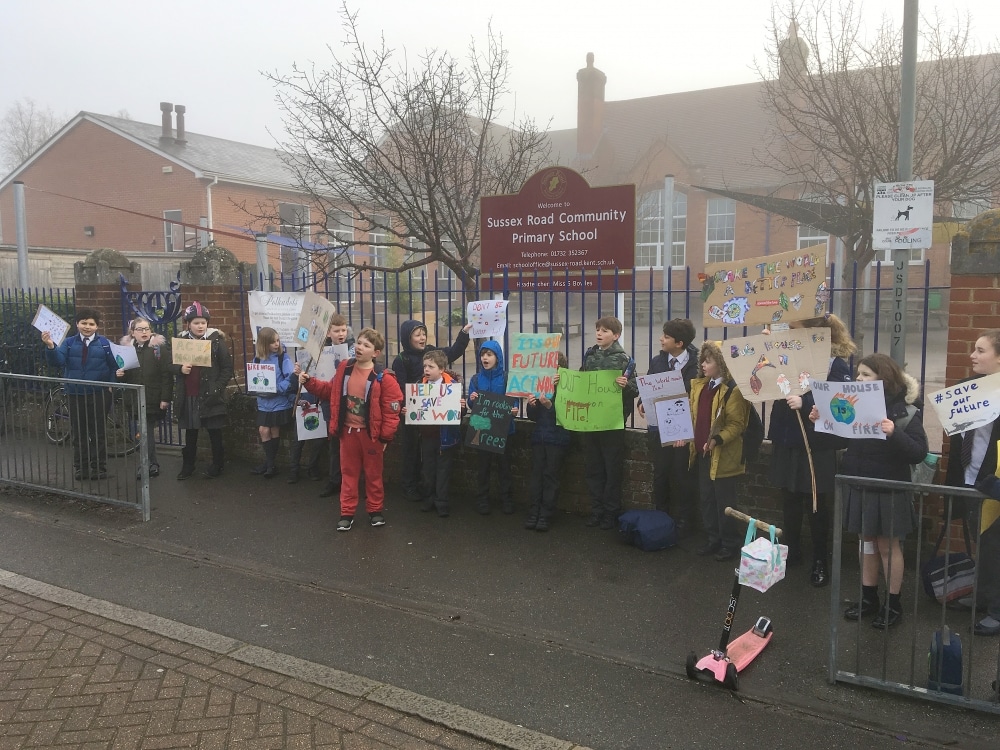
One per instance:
(557, 233)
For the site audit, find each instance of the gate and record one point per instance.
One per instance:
(37, 435)
(898, 659)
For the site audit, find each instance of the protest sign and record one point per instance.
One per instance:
(261, 378)
(329, 359)
(659, 385)
(309, 421)
(589, 401)
(532, 363)
(277, 310)
(771, 288)
(197, 352)
(46, 320)
(311, 327)
(673, 418)
(775, 366)
(490, 415)
(850, 410)
(968, 405)
(433, 404)
(488, 318)
(125, 356)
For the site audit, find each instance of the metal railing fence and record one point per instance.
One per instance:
(90, 447)
(897, 659)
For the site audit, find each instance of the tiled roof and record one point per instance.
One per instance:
(212, 156)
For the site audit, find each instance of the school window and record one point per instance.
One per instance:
(649, 231)
(809, 236)
(378, 251)
(721, 230)
(175, 236)
(294, 224)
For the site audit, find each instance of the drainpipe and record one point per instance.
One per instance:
(208, 194)
(22, 236)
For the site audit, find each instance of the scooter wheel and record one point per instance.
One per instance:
(732, 677)
(691, 665)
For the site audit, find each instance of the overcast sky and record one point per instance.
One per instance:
(108, 55)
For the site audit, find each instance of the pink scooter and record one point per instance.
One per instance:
(726, 662)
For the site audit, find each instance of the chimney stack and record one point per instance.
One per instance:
(166, 126)
(589, 108)
(180, 109)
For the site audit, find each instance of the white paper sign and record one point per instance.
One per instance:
(277, 310)
(968, 405)
(673, 419)
(659, 384)
(329, 360)
(850, 410)
(46, 320)
(262, 377)
(903, 215)
(309, 422)
(433, 404)
(125, 356)
(488, 318)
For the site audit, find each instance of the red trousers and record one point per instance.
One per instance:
(359, 453)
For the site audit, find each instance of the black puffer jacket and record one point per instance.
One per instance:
(784, 427)
(890, 458)
(409, 363)
(153, 372)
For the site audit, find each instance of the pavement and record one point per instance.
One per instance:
(273, 629)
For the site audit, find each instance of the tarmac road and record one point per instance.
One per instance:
(568, 633)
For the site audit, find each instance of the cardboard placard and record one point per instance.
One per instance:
(196, 352)
(782, 287)
(532, 363)
(589, 401)
(314, 320)
(766, 368)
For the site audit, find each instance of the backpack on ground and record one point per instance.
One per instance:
(649, 530)
(753, 435)
(950, 578)
(944, 662)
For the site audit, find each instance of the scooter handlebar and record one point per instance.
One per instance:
(757, 522)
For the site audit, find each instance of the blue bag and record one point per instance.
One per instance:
(649, 530)
(944, 662)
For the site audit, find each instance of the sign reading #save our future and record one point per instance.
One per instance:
(968, 405)
(850, 410)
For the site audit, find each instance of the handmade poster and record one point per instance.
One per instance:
(433, 404)
(488, 318)
(125, 356)
(309, 422)
(532, 363)
(277, 310)
(658, 385)
(783, 287)
(46, 320)
(196, 352)
(262, 377)
(968, 405)
(770, 367)
(329, 359)
(850, 410)
(589, 401)
(310, 330)
(490, 415)
(673, 418)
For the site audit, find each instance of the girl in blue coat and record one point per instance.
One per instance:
(492, 378)
(274, 410)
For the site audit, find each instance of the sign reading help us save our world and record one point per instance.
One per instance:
(589, 401)
(850, 410)
(433, 404)
(532, 363)
(968, 405)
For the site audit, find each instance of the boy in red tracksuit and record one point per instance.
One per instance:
(365, 403)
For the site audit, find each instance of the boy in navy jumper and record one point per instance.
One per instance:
(86, 356)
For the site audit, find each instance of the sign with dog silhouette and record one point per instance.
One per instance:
(903, 215)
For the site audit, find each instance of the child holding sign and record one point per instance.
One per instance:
(200, 391)
(882, 517)
(549, 443)
(153, 353)
(274, 410)
(492, 378)
(437, 444)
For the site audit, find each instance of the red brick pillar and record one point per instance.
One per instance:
(98, 285)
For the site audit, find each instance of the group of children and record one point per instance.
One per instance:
(364, 402)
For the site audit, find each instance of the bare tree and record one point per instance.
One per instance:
(834, 94)
(25, 126)
(408, 150)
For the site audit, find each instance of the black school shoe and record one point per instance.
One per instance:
(542, 525)
(865, 608)
(819, 576)
(887, 618)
